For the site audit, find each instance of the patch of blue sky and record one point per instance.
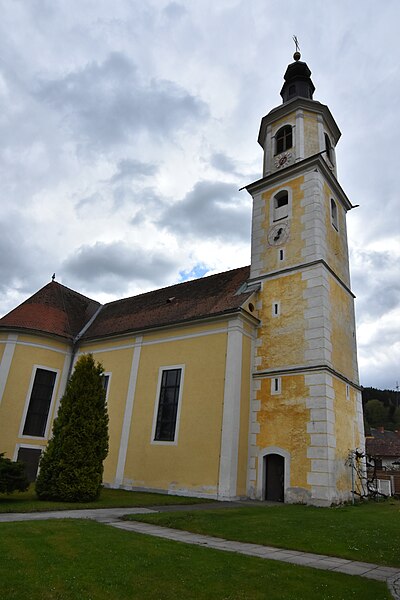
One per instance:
(198, 271)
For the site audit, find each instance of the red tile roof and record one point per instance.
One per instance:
(383, 443)
(55, 309)
(58, 310)
(205, 297)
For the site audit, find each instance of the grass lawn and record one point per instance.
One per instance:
(28, 502)
(367, 532)
(84, 560)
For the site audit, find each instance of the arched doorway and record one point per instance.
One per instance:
(274, 465)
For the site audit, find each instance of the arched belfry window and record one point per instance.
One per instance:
(284, 139)
(281, 205)
(328, 148)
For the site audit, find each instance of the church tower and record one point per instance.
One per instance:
(306, 411)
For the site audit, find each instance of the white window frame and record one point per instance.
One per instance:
(30, 447)
(276, 309)
(107, 374)
(40, 447)
(274, 141)
(272, 218)
(334, 212)
(276, 385)
(173, 442)
(28, 398)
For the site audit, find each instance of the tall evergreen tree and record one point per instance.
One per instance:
(71, 468)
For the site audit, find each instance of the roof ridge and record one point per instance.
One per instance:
(189, 281)
(64, 287)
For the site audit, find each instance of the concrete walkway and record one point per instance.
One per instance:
(112, 516)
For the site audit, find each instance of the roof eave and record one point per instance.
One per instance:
(183, 322)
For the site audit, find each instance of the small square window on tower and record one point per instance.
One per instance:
(276, 309)
(275, 385)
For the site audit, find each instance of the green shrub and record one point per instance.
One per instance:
(71, 468)
(12, 476)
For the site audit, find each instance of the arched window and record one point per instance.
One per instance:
(328, 148)
(334, 215)
(284, 139)
(281, 205)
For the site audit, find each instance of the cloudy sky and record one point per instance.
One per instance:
(127, 128)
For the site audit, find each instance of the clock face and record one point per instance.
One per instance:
(278, 234)
(283, 160)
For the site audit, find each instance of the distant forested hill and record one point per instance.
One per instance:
(381, 408)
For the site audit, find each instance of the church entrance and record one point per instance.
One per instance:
(274, 477)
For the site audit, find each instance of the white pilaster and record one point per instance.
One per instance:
(126, 425)
(6, 361)
(299, 129)
(63, 382)
(231, 412)
(268, 151)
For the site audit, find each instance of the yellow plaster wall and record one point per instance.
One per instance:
(283, 335)
(17, 387)
(342, 332)
(283, 422)
(286, 120)
(336, 241)
(347, 436)
(43, 341)
(162, 466)
(244, 418)
(311, 138)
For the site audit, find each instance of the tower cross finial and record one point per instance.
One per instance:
(297, 54)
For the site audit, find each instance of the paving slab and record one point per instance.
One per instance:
(98, 514)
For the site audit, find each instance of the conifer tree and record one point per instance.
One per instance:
(71, 468)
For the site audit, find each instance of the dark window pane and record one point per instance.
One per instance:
(284, 139)
(281, 200)
(39, 404)
(105, 379)
(168, 405)
(31, 457)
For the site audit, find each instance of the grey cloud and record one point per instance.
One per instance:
(108, 103)
(223, 163)
(151, 205)
(22, 263)
(376, 283)
(174, 11)
(128, 169)
(212, 210)
(113, 267)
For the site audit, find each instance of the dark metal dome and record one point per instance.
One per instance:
(297, 81)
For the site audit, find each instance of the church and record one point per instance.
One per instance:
(242, 384)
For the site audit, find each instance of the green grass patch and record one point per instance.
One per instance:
(367, 532)
(28, 502)
(82, 560)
